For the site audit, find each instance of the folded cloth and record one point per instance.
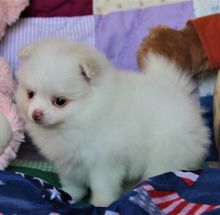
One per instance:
(208, 29)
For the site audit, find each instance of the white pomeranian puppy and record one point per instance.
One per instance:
(100, 126)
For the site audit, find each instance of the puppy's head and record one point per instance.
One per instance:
(56, 76)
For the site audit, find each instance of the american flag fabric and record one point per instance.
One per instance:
(173, 193)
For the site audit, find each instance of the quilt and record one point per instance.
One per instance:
(115, 27)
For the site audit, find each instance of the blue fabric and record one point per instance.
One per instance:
(23, 194)
(207, 104)
(192, 191)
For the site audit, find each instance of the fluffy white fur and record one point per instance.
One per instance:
(117, 125)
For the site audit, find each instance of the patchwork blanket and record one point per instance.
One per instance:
(116, 28)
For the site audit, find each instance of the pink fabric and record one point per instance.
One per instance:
(13, 9)
(10, 11)
(7, 85)
(52, 8)
(9, 110)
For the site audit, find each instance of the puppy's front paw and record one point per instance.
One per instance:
(102, 201)
(76, 192)
(105, 185)
(104, 197)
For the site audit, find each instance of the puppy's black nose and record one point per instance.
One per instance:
(37, 115)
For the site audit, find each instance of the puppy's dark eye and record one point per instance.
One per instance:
(59, 101)
(30, 94)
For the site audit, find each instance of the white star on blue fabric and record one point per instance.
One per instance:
(21, 174)
(71, 202)
(2, 183)
(53, 213)
(41, 181)
(55, 194)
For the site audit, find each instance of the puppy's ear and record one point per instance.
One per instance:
(25, 52)
(86, 75)
(90, 69)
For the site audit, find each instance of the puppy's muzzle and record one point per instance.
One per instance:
(37, 116)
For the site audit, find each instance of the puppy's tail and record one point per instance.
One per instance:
(162, 71)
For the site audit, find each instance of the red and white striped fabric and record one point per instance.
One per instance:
(171, 203)
(188, 177)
